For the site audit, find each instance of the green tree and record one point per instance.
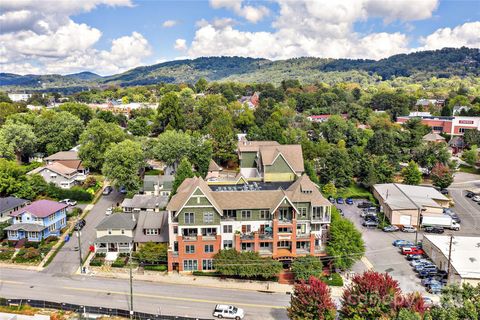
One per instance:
(57, 131)
(336, 167)
(20, 137)
(171, 146)
(375, 169)
(397, 104)
(311, 172)
(428, 154)
(411, 174)
(470, 156)
(223, 137)
(152, 252)
(245, 264)
(6, 149)
(122, 164)
(458, 303)
(201, 85)
(8, 108)
(95, 140)
(169, 112)
(329, 189)
(306, 267)
(441, 176)
(311, 301)
(184, 171)
(80, 110)
(201, 152)
(139, 126)
(345, 244)
(106, 115)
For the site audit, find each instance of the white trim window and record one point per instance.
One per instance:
(246, 214)
(264, 214)
(190, 248)
(207, 264)
(150, 232)
(190, 265)
(208, 217)
(189, 218)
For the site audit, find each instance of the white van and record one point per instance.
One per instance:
(228, 312)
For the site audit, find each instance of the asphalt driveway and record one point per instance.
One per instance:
(67, 259)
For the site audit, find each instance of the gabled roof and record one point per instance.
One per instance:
(9, 203)
(213, 166)
(186, 190)
(433, 137)
(126, 221)
(40, 208)
(63, 155)
(58, 168)
(145, 201)
(304, 190)
(253, 146)
(152, 220)
(25, 226)
(74, 164)
(292, 153)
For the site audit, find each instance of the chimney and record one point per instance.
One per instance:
(155, 189)
(133, 216)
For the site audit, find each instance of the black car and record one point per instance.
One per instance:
(80, 224)
(370, 218)
(469, 194)
(331, 199)
(438, 230)
(411, 257)
(364, 204)
(444, 192)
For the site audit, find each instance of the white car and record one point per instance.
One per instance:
(69, 202)
(228, 312)
(109, 211)
(476, 198)
(409, 229)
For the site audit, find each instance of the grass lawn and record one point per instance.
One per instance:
(153, 172)
(356, 192)
(468, 169)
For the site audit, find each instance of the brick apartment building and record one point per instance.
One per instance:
(454, 125)
(274, 210)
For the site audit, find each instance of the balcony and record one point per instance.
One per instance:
(320, 249)
(247, 236)
(321, 219)
(265, 236)
(303, 235)
(209, 237)
(265, 251)
(189, 238)
(284, 222)
(303, 250)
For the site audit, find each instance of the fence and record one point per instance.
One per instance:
(82, 309)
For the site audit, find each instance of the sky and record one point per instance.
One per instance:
(112, 36)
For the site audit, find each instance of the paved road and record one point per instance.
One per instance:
(381, 254)
(468, 211)
(180, 300)
(67, 261)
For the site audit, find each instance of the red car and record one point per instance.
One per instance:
(412, 250)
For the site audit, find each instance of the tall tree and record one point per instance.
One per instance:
(375, 169)
(171, 146)
(336, 167)
(95, 140)
(411, 174)
(306, 267)
(441, 176)
(169, 113)
(311, 301)
(20, 137)
(471, 156)
(139, 126)
(6, 149)
(428, 154)
(80, 110)
(152, 252)
(201, 152)
(223, 137)
(122, 164)
(184, 171)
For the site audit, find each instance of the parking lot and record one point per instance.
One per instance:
(380, 252)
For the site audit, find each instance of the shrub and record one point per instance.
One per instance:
(74, 212)
(96, 262)
(311, 300)
(6, 254)
(334, 280)
(31, 244)
(208, 274)
(120, 262)
(51, 239)
(161, 267)
(27, 255)
(307, 266)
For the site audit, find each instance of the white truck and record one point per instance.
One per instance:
(444, 221)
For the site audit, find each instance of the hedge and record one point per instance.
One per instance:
(335, 281)
(96, 262)
(156, 268)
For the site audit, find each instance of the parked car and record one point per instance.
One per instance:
(427, 266)
(80, 224)
(370, 224)
(331, 199)
(444, 192)
(107, 190)
(411, 257)
(397, 243)
(390, 228)
(340, 200)
(370, 217)
(435, 289)
(367, 213)
(364, 204)
(426, 273)
(228, 312)
(109, 211)
(122, 190)
(427, 302)
(409, 229)
(476, 198)
(349, 201)
(69, 202)
(428, 281)
(419, 262)
(470, 194)
(441, 274)
(438, 230)
(412, 250)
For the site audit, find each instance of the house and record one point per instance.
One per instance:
(458, 110)
(324, 117)
(433, 137)
(426, 103)
(37, 221)
(16, 97)
(151, 227)
(158, 185)
(114, 234)
(405, 204)
(463, 253)
(269, 161)
(252, 101)
(69, 159)
(281, 220)
(9, 205)
(453, 125)
(62, 176)
(144, 202)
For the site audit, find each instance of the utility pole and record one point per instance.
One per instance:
(418, 226)
(131, 284)
(449, 256)
(80, 250)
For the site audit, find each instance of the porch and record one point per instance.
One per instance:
(30, 231)
(114, 244)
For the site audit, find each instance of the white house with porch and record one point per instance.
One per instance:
(115, 233)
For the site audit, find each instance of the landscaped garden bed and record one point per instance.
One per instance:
(6, 253)
(98, 260)
(121, 261)
(28, 255)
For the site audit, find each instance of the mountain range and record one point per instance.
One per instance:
(439, 63)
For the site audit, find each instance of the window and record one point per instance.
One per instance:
(264, 214)
(232, 214)
(189, 248)
(51, 217)
(264, 245)
(207, 264)
(150, 232)
(63, 221)
(33, 234)
(228, 228)
(462, 130)
(246, 228)
(190, 265)
(284, 230)
(18, 218)
(285, 214)
(175, 246)
(317, 213)
(198, 200)
(283, 244)
(435, 128)
(209, 231)
(208, 248)
(302, 213)
(246, 214)
(189, 218)
(13, 233)
(208, 217)
(51, 228)
(175, 230)
(227, 244)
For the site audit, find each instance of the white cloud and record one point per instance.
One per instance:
(250, 13)
(169, 23)
(180, 45)
(467, 34)
(39, 36)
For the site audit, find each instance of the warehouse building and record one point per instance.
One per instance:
(464, 256)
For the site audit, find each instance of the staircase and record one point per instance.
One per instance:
(286, 277)
(20, 243)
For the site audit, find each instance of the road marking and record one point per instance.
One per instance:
(175, 298)
(12, 282)
(367, 263)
